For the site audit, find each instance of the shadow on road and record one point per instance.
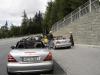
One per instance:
(58, 70)
(62, 49)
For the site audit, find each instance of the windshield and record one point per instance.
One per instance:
(28, 45)
(60, 38)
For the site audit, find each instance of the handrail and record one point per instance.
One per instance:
(76, 14)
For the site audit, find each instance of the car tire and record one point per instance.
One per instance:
(50, 72)
(9, 73)
(69, 47)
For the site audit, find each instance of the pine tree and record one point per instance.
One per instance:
(4, 30)
(47, 19)
(58, 9)
(24, 24)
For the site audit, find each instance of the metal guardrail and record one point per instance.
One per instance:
(88, 7)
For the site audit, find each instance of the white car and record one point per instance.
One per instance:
(29, 58)
(61, 41)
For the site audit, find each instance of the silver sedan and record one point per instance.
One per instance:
(22, 60)
(61, 41)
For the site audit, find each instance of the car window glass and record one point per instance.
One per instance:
(29, 44)
(20, 46)
(39, 45)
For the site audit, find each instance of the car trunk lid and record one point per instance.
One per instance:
(29, 55)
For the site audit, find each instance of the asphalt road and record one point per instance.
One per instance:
(5, 45)
(79, 60)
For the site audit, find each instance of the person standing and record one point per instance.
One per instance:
(45, 40)
(71, 39)
(50, 35)
(50, 39)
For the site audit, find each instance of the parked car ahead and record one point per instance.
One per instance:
(29, 58)
(61, 41)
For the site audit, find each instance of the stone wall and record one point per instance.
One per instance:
(86, 30)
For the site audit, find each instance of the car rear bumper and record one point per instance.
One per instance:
(63, 45)
(30, 68)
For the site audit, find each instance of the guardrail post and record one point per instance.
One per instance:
(79, 12)
(90, 5)
(57, 26)
(63, 22)
(71, 18)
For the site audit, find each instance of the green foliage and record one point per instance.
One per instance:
(4, 30)
(58, 9)
(24, 24)
(14, 30)
(28, 26)
(37, 20)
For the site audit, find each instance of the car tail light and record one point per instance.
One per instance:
(48, 57)
(11, 58)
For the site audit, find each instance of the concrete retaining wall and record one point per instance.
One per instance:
(86, 30)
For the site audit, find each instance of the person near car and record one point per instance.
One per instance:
(45, 40)
(71, 39)
(50, 38)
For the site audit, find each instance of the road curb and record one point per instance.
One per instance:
(93, 46)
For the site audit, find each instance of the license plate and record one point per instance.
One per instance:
(30, 59)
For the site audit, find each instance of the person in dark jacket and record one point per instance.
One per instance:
(50, 35)
(71, 39)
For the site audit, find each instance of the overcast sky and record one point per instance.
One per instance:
(12, 10)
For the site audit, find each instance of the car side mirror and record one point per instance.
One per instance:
(13, 47)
